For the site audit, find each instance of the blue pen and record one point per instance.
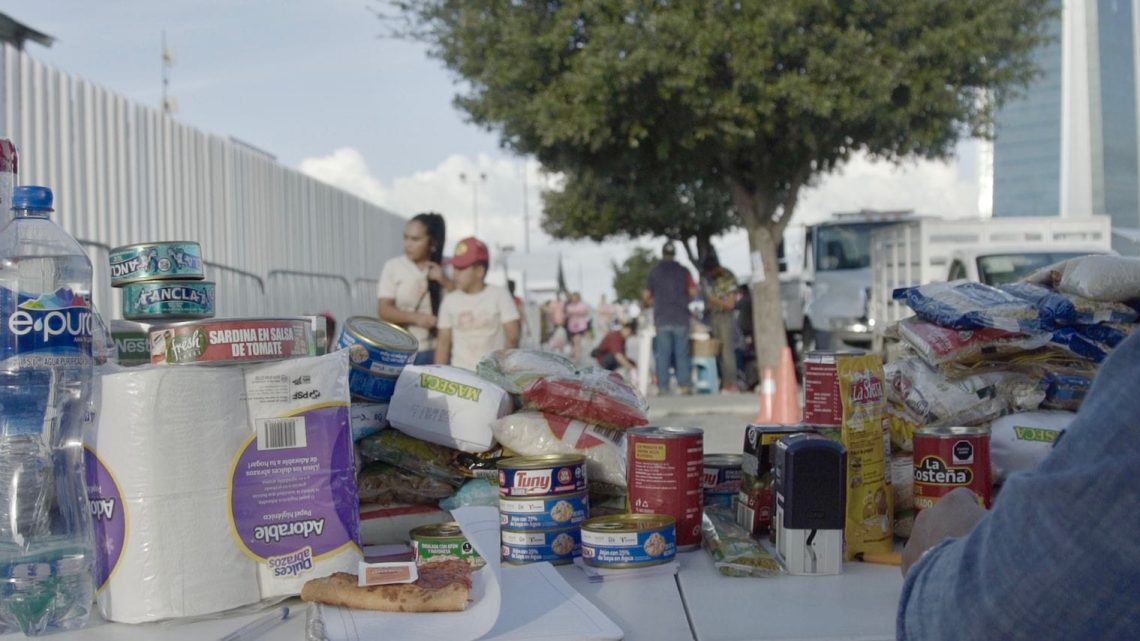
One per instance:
(259, 626)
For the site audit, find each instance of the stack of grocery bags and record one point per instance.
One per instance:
(1019, 358)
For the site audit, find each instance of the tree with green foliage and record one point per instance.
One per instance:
(630, 275)
(599, 207)
(768, 95)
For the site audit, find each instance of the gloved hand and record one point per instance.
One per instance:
(953, 516)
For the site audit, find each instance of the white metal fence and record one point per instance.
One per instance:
(276, 242)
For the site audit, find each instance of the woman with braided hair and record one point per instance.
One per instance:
(412, 284)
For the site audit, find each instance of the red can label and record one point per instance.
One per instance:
(239, 340)
(949, 458)
(822, 403)
(664, 471)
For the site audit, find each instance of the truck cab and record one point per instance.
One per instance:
(826, 298)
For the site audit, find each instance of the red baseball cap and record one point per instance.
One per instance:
(469, 251)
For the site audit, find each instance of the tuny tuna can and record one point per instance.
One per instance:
(946, 458)
(664, 468)
(822, 404)
(376, 346)
(169, 300)
(543, 512)
(629, 540)
(534, 476)
(369, 386)
(443, 541)
(557, 547)
(721, 478)
(231, 340)
(174, 260)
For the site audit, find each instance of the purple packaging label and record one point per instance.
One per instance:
(369, 386)
(561, 479)
(533, 547)
(294, 487)
(108, 514)
(544, 513)
(642, 547)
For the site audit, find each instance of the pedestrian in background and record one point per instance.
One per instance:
(669, 289)
(606, 314)
(719, 286)
(577, 324)
(412, 285)
(475, 318)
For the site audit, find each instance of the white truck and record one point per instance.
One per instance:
(825, 294)
(993, 251)
(838, 294)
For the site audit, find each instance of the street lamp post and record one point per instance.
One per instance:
(474, 196)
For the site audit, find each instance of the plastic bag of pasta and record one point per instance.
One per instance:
(734, 552)
(963, 304)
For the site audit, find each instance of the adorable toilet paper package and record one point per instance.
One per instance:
(448, 406)
(217, 487)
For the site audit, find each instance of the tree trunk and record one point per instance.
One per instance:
(768, 332)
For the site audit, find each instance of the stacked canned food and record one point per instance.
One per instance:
(378, 352)
(160, 282)
(542, 504)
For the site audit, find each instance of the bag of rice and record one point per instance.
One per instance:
(964, 304)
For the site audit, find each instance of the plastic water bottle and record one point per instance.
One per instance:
(46, 322)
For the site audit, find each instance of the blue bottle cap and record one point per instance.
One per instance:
(32, 197)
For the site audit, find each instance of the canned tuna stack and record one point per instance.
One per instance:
(542, 504)
(161, 282)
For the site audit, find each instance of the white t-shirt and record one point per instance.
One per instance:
(404, 282)
(476, 323)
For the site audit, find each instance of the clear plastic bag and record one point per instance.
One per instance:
(1100, 277)
(734, 552)
(1057, 309)
(429, 459)
(535, 433)
(932, 398)
(385, 484)
(963, 304)
(598, 397)
(517, 369)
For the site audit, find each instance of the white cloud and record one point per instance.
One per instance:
(346, 168)
(932, 188)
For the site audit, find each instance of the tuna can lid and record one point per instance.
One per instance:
(32, 198)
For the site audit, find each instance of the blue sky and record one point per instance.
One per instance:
(314, 83)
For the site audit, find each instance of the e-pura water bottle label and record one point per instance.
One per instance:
(48, 330)
(109, 515)
(291, 491)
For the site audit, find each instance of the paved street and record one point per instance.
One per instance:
(723, 417)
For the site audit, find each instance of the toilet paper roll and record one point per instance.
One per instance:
(165, 431)
(178, 560)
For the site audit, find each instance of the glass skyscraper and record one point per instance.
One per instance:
(1070, 146)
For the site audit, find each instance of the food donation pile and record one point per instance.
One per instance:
(1013, 362)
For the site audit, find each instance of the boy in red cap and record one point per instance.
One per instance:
(474, 318)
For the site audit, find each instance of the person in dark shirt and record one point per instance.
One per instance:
(610, 352)
(669, 289)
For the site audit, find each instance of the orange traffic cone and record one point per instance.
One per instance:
(767, 397)
(779, 393)
(787, 391)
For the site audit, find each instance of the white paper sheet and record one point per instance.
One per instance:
(526, 602)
